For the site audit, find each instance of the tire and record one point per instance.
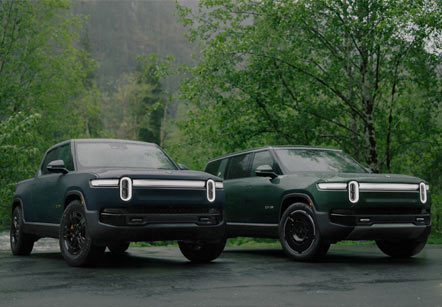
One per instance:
(118, 248)
(401, 249)
(201, 252)
(21, 243)
(299, 234)
(76, 244)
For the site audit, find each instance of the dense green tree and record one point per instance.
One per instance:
(17, 156)
(43, 72)
(361, 75)
(137, 108)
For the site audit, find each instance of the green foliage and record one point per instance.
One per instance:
(335, 73)
(17, 156)
(45, 94)
(137, 108)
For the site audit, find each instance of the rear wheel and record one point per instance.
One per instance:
(401, 249)
(76, 244)
(21, 243)
(118, 248)
(299, 234)
(201, 252)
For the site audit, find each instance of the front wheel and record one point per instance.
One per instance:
(299, 234)
(76, 244)
(118, 248)
(201, 252)
(21, 243)
(401, 249)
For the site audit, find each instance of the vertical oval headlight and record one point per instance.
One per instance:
(353, 191)
(423, 192)
(211, 193)
(125, 188)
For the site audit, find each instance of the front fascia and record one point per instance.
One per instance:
(326, 200)
(98, 198)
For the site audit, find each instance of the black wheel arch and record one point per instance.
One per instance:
(291, 198)
(17, 202)
(74, 195)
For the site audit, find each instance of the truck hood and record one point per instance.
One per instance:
(153, 174)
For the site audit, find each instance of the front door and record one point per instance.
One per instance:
(262, 197)
(49, 188)
(236, 186)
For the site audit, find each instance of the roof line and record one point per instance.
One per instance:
(272, 147)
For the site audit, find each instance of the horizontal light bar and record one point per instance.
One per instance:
(365, 186)
(332, 186)
(104, 182)
(155, 183)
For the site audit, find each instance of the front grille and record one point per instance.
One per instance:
(370, 216)
(143, 215)
(160, 210)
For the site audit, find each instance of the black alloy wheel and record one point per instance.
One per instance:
(76, 245)
(118, 248)
(299, 233)
(21, 243)
(200, 251)
(74, 232)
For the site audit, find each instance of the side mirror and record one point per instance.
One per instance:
(265, 171)
(182, 167)
(57, 166)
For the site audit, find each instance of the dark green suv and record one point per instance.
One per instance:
(93, 193)
(311, 197)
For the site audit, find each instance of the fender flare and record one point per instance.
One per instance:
(77, 193)
(296, 194)
(20, 204)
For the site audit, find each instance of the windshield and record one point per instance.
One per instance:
(313, 160)
(121, 155)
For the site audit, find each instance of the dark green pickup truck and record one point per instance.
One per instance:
(311, 197)
(94, 193)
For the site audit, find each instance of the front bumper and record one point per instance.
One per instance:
(108, 227)
(337, 226)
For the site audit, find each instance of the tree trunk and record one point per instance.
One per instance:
(368, 103)
(163, 122)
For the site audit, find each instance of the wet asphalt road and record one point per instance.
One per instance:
(348, 276)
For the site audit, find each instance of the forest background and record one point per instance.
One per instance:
(205, 78)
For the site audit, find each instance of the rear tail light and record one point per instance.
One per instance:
(423, 192)
(353, 191)
(211, 193)
(125, 188)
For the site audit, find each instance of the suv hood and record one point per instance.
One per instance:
(370, 177)
(360, 177)
(153, 174)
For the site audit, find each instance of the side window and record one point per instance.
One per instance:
(217, 168)
(239, 167)
(263, 158)
(222, 168)
(212, 167)
(51, 156)
(64, 153)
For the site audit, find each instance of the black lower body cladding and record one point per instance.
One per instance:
(155, 227)
(336, 227)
